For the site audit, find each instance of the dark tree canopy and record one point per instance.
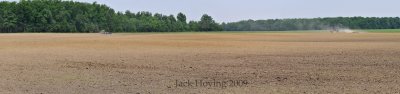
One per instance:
(70, 16)
(205, 24)
(181, 17)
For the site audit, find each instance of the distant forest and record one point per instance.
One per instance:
(314, 24)
(79, 17)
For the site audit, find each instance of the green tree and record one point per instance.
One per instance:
(9, 21)
(181, 17)
(207, 23)
(193, 26)
(182, 25)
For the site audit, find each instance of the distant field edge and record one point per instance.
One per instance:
(380, 30)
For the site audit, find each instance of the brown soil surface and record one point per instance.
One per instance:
(152, 63)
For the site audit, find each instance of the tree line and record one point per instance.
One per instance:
(71, 16)
(314, 24)
(80, 17)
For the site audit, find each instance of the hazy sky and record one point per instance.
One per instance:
(235, 10)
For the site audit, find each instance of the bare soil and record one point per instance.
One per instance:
(226, 63)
